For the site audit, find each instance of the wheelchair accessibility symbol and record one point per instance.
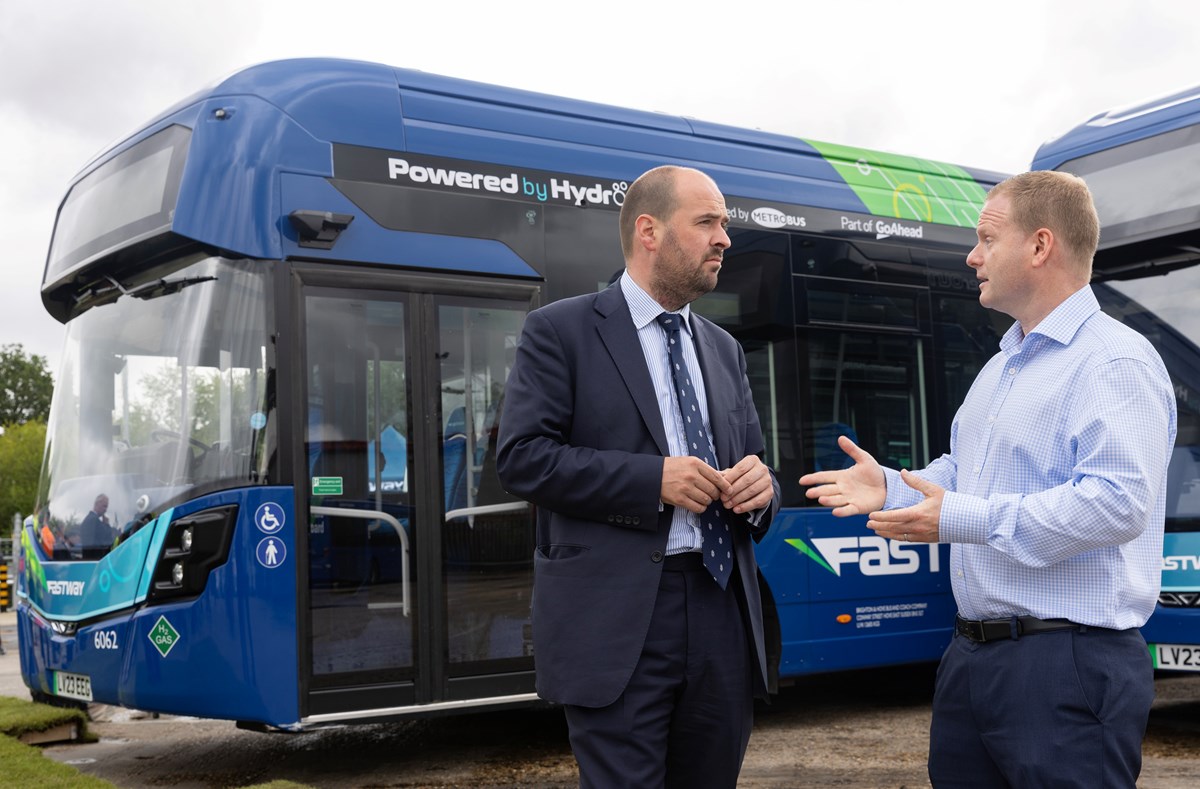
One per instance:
(271, 552)
(269, 517)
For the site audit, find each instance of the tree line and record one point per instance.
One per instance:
(26, 389)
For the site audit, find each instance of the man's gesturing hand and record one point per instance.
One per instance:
(857, 490)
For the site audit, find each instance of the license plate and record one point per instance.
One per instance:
(78, 686)
(1177, 657)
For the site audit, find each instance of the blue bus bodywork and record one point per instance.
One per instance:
(1139, 162)
(309, 170)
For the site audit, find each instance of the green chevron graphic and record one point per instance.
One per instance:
(804, 548)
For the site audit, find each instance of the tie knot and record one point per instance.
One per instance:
(670, 321)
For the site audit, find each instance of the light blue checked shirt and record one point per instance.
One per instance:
(1056, 477)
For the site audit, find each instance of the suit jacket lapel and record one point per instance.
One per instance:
(620, 338)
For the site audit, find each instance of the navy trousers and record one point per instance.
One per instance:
(684, 720)
(1064, 709)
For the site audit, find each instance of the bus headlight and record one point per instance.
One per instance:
(195, 545)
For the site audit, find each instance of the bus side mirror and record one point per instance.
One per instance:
(319, 229)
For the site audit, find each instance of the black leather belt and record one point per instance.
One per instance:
(1014, 627)
(688, 562)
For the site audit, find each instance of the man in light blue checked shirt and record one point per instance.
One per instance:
(1053, 498)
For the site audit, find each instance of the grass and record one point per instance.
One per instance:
(25, 766)
(18, 717)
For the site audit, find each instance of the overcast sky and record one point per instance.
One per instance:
(979, 84)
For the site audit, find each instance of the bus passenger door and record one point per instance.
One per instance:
(357, 477)
(419, 564)
(486, 533)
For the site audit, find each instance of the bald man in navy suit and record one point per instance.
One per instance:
(655, 652)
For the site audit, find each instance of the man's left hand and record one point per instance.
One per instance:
(918, 523)
(751, 487)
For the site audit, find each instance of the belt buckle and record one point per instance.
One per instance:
(972, 630)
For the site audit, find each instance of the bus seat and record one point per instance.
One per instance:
(456, 423)
(454, 459)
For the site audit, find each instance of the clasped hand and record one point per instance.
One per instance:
(691, 483)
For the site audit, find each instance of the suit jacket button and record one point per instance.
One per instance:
(656, 556)
(636, 520)
(611, 518)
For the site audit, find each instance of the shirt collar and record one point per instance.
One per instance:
(1063, 321)
(644, 309)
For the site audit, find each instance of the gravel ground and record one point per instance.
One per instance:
(862, 729)
(868, 729)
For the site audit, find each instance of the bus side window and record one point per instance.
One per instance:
(870, 388)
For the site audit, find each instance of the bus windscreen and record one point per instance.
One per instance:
(1146, 188)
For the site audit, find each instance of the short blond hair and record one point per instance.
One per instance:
(1060, 202)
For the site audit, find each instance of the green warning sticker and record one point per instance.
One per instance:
(327, 486)
(163, 636)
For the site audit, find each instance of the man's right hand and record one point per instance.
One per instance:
(858, 490)
(691, 483)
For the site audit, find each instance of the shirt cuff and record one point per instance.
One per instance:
(964, 519)
(898, 494)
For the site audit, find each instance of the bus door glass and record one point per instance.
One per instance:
(487, 534)
(360, 541)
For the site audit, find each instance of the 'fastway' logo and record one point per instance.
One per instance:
(69, 588)
(1181, 562)
(874, 555)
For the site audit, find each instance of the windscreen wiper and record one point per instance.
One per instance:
(149, 290)
(1187, 257)
(99, 295)
(165, 287)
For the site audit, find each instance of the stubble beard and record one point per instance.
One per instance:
(675, 282)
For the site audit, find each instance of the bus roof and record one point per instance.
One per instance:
(368, 104)
(239, 157)
(1121, 125)
(1139, 162)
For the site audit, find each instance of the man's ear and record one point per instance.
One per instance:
(645, 232)
(1043, 241)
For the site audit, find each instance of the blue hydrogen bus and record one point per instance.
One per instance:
(1140, 163)
(291, 303)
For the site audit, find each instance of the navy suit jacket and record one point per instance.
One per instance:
(582, 439)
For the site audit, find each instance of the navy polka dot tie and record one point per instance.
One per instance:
(716, 540)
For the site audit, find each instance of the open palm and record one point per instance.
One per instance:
(858, 490)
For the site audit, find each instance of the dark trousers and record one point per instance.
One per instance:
(684, 719)
(1067, 708)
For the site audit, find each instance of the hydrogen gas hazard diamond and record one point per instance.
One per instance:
(163, 636)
